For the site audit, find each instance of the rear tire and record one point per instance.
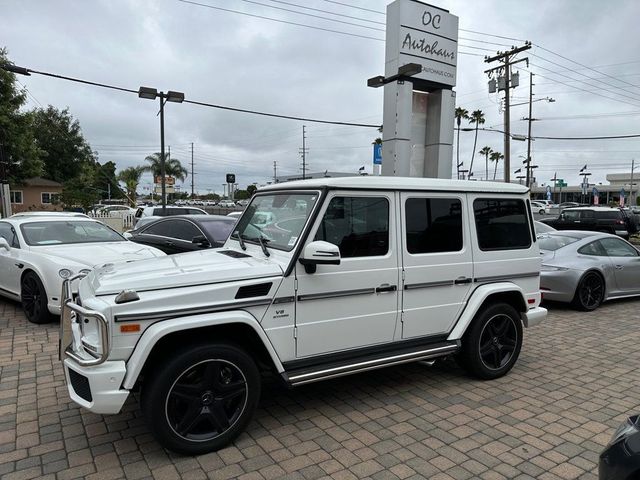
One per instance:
(491, 345)
(33, 297)
(590, 292)
(202, 398)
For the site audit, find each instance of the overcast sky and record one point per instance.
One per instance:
(248, 62)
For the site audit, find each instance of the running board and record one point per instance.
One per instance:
(370, 362)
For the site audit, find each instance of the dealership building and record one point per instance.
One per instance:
(619, 183)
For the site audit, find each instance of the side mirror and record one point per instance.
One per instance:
(4, 244)
(319, 253)
(201, 240)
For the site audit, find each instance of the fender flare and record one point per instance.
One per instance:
(478, 296)
(159, 330)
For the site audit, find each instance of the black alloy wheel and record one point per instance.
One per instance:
(206, 400)
(202, 398)
(498, 341)
(491, 345)
(590, 292)
(34, 299)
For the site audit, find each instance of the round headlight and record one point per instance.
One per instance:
(65, 273)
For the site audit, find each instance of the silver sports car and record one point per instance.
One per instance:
(587, 268)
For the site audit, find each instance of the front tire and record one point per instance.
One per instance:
(201, 399)
(491, 346)
(590, 292)
(34, 299)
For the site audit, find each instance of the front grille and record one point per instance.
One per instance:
(80, 385)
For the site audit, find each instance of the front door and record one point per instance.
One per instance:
(626, 262)
(437, 261)
(354, 304)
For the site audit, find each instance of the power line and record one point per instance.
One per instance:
(328, 11)
(205, 104)
(355, 6)
(603, 137)
(282, 21)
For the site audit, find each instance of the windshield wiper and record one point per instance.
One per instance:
(263, 243)
(240, 240)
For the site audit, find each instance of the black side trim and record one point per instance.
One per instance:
(284, 300)
(498, 278)
(357, 353)
(341, 293)
(257, 290)
(157, 316)
(413, 286)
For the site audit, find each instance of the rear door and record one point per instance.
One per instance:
(437, 261)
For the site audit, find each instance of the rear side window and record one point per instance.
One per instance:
(501, 224)
(359, 226)
(433, 225)
(613, 215)
(162, 229)
(139, 212)
(593, 248)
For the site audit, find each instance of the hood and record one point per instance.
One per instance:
(91, 254)
(192, 268)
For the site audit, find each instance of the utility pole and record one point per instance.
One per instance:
(585, 183)
(507, 61)
(275, 171)
(193, 180)
(632, 202)
(5, 200)
(528, 161)
(554, 180)
(304, 153)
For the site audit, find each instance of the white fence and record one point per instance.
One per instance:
(118, 221)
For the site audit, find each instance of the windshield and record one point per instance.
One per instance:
(277, 218)
(72, 231)
(555, 242)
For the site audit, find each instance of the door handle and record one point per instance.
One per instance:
(619, 267)
(168, 243)
(386, 288)
(461, 280)
(20, 265)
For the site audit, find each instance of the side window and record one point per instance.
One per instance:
(184, 230)
(433, 225)
(163, 229)
(586, 215)
(6, 232)
(593, 248)
(359, 226)
(571, 215)
(618, 248)
(501, 224)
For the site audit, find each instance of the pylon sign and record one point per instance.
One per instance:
(424, 34)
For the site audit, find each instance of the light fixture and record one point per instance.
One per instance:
(148, 93)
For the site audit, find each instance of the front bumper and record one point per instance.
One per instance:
(92, 381)
(97, 388)
(535, 316)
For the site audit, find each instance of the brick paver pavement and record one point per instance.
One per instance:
(576, 380)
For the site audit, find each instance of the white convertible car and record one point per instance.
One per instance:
(37, 253)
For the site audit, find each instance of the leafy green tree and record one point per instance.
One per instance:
(251, 190)
(486, 151)
(60, 137)
(19, 153)
(131, 178)
(105, 180)
(496, 157)
(477, 118)
(460, 114)
(241, 195)
(172, 166)
(79, 192)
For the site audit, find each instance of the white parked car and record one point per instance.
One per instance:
(38, 252)
(48, 214)
(226, 204)
(116, 210)
(354, 274)
(540, 208)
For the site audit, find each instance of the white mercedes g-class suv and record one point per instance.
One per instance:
(350, 274)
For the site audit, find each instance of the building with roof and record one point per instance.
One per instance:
(35, 194)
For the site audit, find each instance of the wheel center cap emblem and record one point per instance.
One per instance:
(207, 398)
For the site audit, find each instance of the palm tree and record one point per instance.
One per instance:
(496, 157)
(486, 151)
(477, 118)
(172, 166)
(130, 176)
(459, 115)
